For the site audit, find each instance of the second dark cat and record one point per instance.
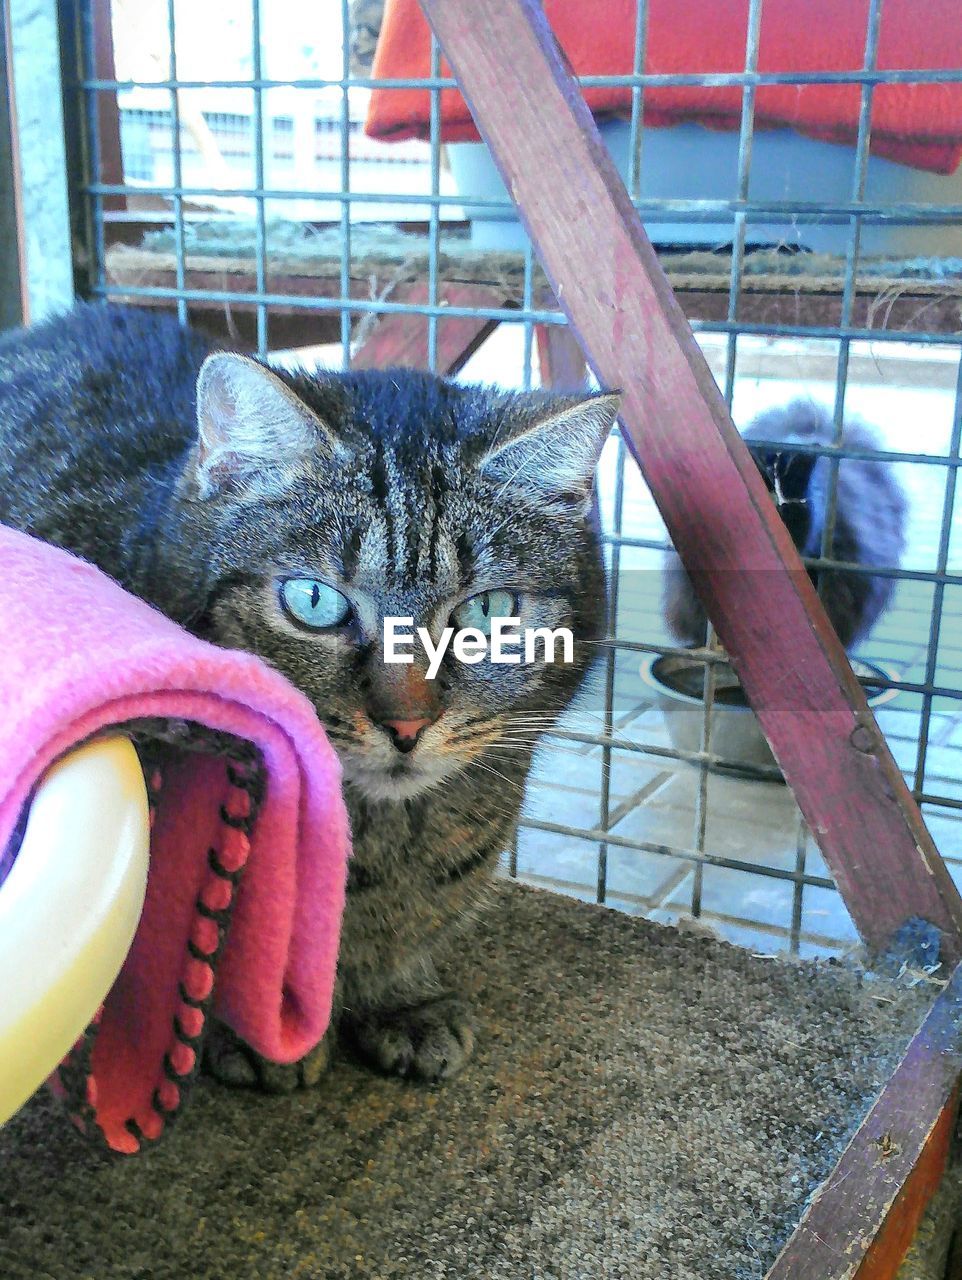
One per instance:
(870, 520)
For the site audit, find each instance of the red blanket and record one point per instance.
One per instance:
(916, 124)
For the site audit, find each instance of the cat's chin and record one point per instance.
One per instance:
(381, 785)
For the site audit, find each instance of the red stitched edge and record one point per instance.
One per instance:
(73, 1079)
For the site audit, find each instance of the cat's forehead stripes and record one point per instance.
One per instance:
(465, 554)
(390, 510)
(407, 522)
(430, 546)
(367, 555)
(438, 491)
(351, 553)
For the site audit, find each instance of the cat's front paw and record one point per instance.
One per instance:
(428, 1041)
(233, 1062)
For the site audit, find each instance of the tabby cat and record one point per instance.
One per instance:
(288, 514)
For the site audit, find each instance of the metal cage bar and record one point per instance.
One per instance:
(926, 680)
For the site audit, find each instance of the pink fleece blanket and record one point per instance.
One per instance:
(254, 840)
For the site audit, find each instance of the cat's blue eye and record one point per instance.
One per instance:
(314, 604)
(478, 611)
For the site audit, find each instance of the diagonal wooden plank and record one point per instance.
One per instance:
(606, 277)
(890, 1246)
(109, 151)
(862, 1218)
(562, 361)
(398, 338)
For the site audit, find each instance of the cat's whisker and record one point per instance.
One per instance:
(511, 782)
(548, 716)
(554, 749)
(555, 723)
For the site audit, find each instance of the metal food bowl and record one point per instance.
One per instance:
(736, 736)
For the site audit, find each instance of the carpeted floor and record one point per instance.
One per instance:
(643, 1104)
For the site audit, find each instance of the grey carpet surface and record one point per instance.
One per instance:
(643, 1104)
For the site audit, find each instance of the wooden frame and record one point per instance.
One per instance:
(737, 551)
(399, 339)
(861, 1220)
(881, 306)
(109, 153)
(562, 361)
(749, 576)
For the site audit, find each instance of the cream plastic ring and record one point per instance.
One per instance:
(69, 909)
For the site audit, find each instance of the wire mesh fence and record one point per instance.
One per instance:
(228, 176)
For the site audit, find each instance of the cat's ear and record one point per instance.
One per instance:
(556, 454)
(251, 426)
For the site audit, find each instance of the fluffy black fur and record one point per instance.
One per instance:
(870, 520)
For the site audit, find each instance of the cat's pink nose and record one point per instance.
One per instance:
(405, 733)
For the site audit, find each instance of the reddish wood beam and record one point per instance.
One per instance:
(910, 311)
(605, 275)
(109, 150)
(888, 1250)
(402, 339)
(563, 364)
(864, 1215)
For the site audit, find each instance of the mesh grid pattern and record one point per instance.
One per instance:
(615, 809)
